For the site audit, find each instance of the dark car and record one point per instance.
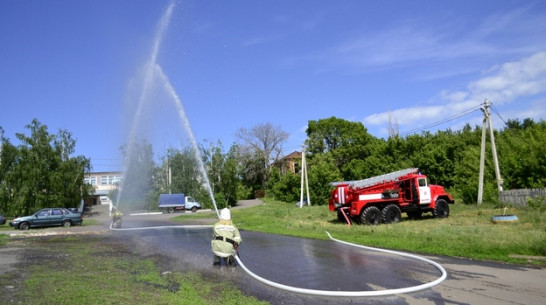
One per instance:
(47, 218)
(2, 220)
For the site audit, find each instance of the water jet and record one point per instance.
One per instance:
(153, 79)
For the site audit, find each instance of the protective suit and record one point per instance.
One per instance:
(116, 218)
(225, 239)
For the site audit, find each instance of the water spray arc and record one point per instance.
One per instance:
(186, 125)
(149, 73)
(152, 74)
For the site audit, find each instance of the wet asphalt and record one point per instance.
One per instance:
(317, 264)
(291, 261)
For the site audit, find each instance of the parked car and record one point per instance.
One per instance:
(47, 218)
(2, 220)
(73, 210)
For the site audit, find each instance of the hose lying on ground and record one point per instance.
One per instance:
(356, 293)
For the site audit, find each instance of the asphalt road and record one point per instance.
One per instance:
(326, 265)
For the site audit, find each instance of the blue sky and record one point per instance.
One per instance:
(79, 66)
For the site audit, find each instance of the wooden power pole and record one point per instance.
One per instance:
(487, 119)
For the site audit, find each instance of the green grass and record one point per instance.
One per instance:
(92, 270)
(467, 232)
(90, 222)
(85, 269)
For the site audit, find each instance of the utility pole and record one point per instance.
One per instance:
(487, 119)
(304, 177)
(169, 174)
(170, 179)
(1, 143)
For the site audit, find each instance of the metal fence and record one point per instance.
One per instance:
(519, 197)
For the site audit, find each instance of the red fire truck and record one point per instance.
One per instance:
(383, 198)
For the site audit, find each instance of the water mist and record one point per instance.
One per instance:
(154, 76)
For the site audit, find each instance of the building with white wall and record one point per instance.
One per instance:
(104, 183)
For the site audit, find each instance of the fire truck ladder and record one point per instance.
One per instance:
(377, 179)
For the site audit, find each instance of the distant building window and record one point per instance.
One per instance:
(109, 180)
(91, 180)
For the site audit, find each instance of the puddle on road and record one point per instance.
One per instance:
(327, 265)
(298, 262)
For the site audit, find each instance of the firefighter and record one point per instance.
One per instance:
(116, 218)
(225, 240)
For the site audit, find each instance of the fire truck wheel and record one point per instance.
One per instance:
(391, 213)
(370, 216)
(442, 209)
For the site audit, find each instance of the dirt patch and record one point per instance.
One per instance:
(11, 274)
(8, 257)
(27, 248)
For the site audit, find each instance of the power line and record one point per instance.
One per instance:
(443, 121)
(425, 127)
(498, 114)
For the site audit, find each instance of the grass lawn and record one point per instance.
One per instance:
(96, 270)
(467, 232)
(84, 269)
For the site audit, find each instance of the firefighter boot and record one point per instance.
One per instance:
(231, 261)
(217, 261)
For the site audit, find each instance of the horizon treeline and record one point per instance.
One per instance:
(41, 171)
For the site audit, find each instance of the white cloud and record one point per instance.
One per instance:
(503, 85)
(513, 80)
(404, 116)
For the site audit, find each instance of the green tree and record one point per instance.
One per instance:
(229, 178)
(521, 152)
(435, 156)
(222, 173)
(322, 172)
(181, 172)
(342, 150)
(8, 161)
(252, 170)
(343, 140)
(186, 175)
(40, 172)
(69, 177)
(467, 168)
(285, 187)
(261, 146)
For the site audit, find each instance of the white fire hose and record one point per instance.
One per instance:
(356, 293)
(327, 292)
